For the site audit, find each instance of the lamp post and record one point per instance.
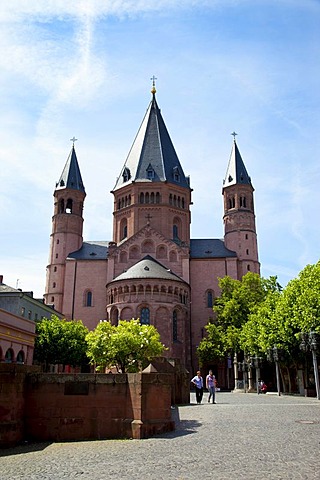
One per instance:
(243, 367)
(310, 342)
(275, 354)
(256, 362)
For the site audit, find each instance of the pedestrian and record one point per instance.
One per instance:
(211, 386)
(198, 383)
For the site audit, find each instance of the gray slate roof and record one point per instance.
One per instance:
(209, 248)
(148, 267)
(71, 176)
(91, 251)
(199, 248)
(236, 171)
(152, 157)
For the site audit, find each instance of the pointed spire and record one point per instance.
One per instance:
(152, 157)
(71, 176)
(236, 172)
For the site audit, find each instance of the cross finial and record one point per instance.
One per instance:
(148, 217)
(234, 135)
(73, 139)
(153, 89)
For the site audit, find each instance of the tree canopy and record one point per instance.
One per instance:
(60, 342)
(255, 314)
(129, 346)
(238, 301)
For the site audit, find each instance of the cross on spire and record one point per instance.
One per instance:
(73, 139)
(153, 89)
(234, 135)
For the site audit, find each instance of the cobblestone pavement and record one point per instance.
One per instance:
(244, 436)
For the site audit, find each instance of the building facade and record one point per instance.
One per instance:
(19, 312)
(151, 269)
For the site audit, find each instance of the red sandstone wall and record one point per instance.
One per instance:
(68, 407)
(12, 402)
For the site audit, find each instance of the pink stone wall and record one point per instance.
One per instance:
(70, 407)
(87, 275)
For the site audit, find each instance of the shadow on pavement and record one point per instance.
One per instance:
(26, 447)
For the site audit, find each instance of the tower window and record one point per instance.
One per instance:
(61, 206)
(126, 174)
(175, 232)
(231, 202)
(209, 299)
(248, 268)
(174, 326)
(247, 251)
(176, 174)
(89, 299)
(145, 316)
(69, 205)
(150, 172)
(123, 229)
(141, 197)
(243, 202)
(54, 285)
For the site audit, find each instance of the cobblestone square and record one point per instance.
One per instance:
(245, 436)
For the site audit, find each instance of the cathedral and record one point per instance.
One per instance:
(151, 269)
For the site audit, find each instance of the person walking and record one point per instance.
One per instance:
(211, 386)
(198, 383)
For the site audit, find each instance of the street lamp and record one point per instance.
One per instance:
(275, 354)
(310, 342)
(256, 361)
(243, 367)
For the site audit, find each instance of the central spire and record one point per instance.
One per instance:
(152, 157)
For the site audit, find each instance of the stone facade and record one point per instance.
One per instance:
(67, 407)
(151, 269)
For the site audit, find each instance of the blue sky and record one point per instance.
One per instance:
(83, 69)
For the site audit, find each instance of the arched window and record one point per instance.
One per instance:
(174, 326)
(9, 356)
(20, 357)
(141, 197)
(145, 316)
(89, 299)
(209, 299)
(123, 229)
(126, 174)
(175, 232)
(176, 174)
(157, 197)
(61, 206)
(69, 205)
(243, 202)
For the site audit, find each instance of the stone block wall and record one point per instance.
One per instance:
(68, 407)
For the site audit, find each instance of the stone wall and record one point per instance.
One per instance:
(68, 407)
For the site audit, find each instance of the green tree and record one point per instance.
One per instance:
(60, 342)
(129, 346)
(238, 300)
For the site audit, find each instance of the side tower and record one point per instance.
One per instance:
(67, 226)
(152, 187)
(239, 218)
